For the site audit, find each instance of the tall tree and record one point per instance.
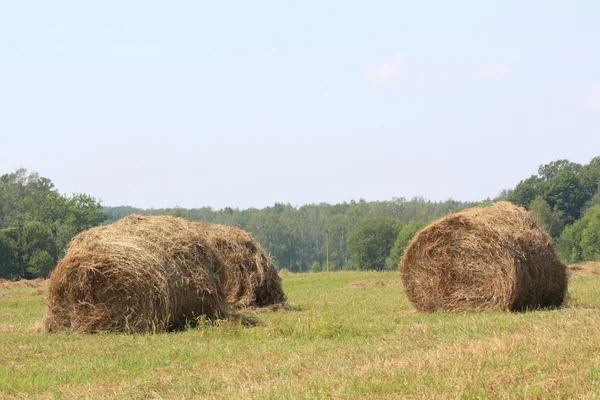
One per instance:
(565, 193)
(337, 228)
(404, 237)
(525, 192)
(15, 190)
(590, 239)
(546, 218)
(86, 211)
(39, 249)
(38, 222)
(572, 246)
(590, 177)
(370, 242)
(9, 265)
(549, 171)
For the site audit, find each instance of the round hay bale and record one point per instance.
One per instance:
(247, 273)
(140, 274)
(285, 272)
(483, 258)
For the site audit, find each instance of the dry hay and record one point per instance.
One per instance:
(584, 270)
(483, 258)
(140, 274)
(247, 273)
(7, 328)
(360, 285)
(23, 283)
(355, 285)
(285, 272)
(36, 292)
(32, 293)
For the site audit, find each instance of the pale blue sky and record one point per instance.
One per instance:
(249, 103)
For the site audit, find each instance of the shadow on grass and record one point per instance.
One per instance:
(271, 309)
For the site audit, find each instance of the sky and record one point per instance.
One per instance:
(248, 103)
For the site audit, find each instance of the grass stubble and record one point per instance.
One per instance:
(342, 335)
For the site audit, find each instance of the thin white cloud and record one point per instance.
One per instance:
(496, 71)
(384, 73)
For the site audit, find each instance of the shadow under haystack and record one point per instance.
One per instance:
(483, 258)
(247, 273)
(140, 274)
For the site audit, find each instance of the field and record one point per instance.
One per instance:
(343, 335)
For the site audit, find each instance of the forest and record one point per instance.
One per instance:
(37, 222)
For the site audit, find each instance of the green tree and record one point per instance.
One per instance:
(9, 265)
(568, 245)
(178, 212)
(560, 183)
(572, 246)
(549, 171)
(545, 217)
(371, 241)
(56, 215)
(13, 189)
(590, 177)
(24, 197)
(337, 226)
(590, 239)
(39, 251)
(565, 194)
(316, 267)
(40, 264)
(86, 212)
(503, 195)
(404, 237)
(277, 235)
(595, 200)
(72, 216)
(525, 192)
(41, 221)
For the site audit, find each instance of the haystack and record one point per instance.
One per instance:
(247, 273)
(285, 272)
(483, 258)
(23, 283)
(140, 274)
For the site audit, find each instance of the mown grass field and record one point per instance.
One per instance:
(344, 335)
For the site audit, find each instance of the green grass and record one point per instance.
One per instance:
(333, 341)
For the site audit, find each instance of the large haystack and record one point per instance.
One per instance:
(483, 258)
(247, 273)
(140, 274)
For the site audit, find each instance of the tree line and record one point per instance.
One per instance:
(564, 199)
(37, 222)
(315, 237)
